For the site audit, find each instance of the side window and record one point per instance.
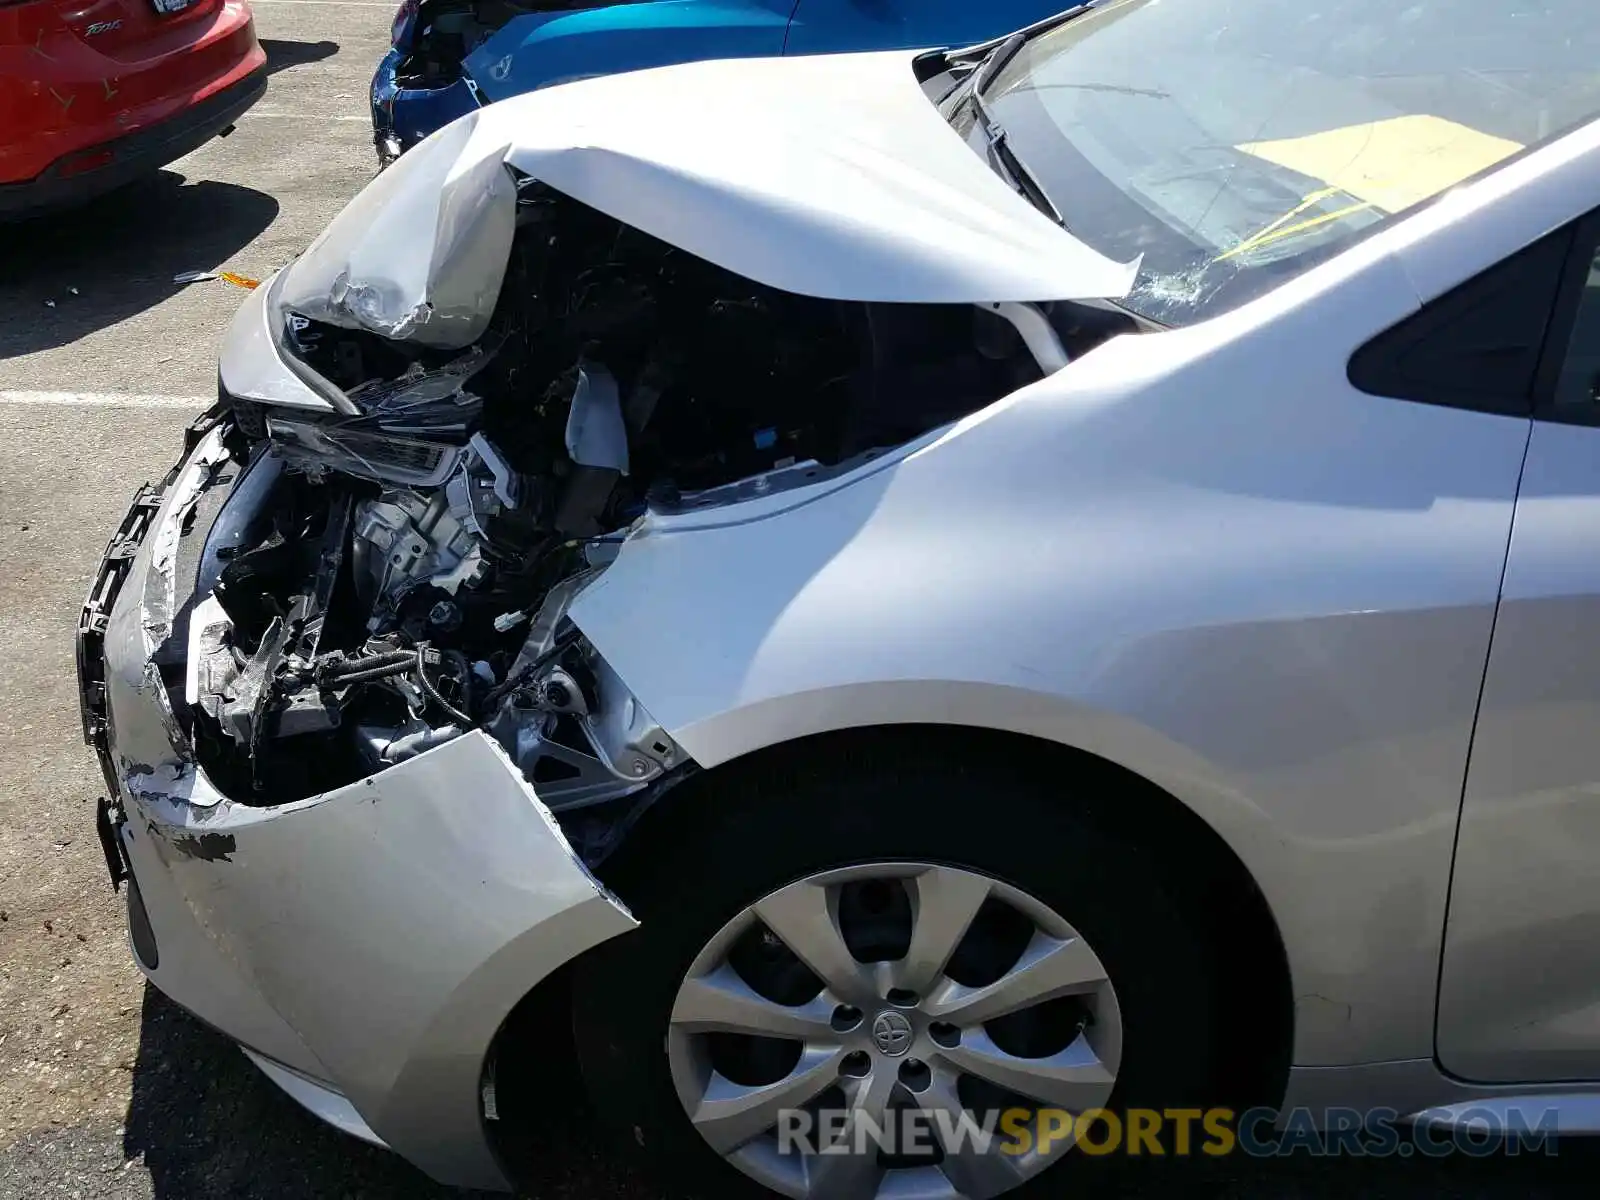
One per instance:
(1479, 345)
(1575, 395)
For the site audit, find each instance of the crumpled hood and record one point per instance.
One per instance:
(830, 176)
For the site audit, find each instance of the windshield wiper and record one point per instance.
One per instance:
(994, 62)
(1003, 159)
(992, 56)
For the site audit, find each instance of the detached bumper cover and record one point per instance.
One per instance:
(371, 940)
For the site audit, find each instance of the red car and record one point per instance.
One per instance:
(94, 93)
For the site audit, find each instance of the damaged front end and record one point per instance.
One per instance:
(365, 616)
(409, 571)
(333, 656)
(510, 356)
(278, 911)
(501, 408)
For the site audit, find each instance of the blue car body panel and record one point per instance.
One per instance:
(407, 115)
(539, 49)
(547, 48)
(835, 26)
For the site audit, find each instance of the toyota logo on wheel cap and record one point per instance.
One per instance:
(892, 1033)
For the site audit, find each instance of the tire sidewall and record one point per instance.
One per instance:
(708, 865)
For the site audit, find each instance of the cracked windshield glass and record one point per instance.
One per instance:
(1236, 143)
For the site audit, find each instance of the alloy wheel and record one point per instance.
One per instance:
(892, 997)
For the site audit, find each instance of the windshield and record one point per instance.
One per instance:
(1235, 143)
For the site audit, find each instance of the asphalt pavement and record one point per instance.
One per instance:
(107, 1090)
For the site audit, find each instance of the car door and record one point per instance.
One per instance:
(1520, 985)
(830, 26)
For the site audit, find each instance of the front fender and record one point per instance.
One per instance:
(543, 49)
(1199, 554)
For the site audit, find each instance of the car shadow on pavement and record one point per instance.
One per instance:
(283, 54)
(208, 1125)
(1297, 1175)
(67, 274)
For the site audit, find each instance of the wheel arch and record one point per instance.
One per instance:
(1255, 970)
(1124, 802)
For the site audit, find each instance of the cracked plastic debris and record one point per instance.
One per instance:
(232, 277)
(596, 433)
(148, 731)
(426, 400)
(159, 596)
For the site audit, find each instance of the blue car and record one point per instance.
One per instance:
(450, 56)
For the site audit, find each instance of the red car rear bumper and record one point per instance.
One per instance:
(126, 158)
(85, 122)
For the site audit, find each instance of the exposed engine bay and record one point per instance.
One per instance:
(410, 575)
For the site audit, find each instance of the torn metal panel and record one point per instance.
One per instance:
(420, 253)
(858, 192)
(148, 744)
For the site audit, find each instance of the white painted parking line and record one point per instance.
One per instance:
(332, 3)
(103, 400)
(294, 116)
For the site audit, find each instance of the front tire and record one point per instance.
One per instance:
(906, 939)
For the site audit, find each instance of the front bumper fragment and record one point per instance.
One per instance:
(108, 821)
(369, 941)
(108, 579)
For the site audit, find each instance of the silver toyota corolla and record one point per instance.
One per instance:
(1054, 576)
